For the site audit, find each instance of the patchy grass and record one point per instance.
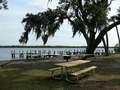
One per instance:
(35, 76)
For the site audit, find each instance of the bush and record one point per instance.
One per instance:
(117, 49)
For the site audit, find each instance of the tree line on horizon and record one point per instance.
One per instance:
(56, 46)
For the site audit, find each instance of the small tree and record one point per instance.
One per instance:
(117, 49)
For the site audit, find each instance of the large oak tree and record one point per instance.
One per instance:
(87, 17)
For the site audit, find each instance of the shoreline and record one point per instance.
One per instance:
(51, 59)
(57, 46)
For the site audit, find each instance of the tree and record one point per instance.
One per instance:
(3, 4)
(87, 17)
(118, 35)
(114, 18)
(105, 43)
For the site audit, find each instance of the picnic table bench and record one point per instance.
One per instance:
(76, 74)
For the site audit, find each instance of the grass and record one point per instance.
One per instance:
(35, 76)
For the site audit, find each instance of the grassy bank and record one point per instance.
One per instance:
(34, 75)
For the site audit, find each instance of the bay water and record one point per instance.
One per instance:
(5, 53)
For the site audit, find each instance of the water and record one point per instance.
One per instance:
(5, 53)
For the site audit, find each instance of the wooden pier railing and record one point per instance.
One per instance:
(44, 53)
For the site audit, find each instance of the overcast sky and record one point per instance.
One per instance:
(11, 27)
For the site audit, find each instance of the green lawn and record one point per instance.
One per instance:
(35, 76)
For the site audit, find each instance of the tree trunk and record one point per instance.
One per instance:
(93, 43)
(118, 36)
(106, 45)
(102, 33)
(90, 49)
(90, 42)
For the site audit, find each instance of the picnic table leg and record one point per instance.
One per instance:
(66, 77)
(66, 74)
(61, 72)
(58, 78)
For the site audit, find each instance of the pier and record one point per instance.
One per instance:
(47, 53)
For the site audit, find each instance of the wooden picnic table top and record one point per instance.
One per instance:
(72, 63)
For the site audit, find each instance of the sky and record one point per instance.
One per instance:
(11, 27)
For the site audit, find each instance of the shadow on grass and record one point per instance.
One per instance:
(107, 66)
(98, 84)
(31, 77)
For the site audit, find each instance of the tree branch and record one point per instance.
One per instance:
(104, 31)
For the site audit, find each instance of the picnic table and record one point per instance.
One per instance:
(72, 63)
(68, 65)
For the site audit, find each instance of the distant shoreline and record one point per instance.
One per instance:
(17, 46)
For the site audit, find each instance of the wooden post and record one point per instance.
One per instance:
(13, 54)
(21, 54)
(35, 51)
(39, 52)
(53, 52)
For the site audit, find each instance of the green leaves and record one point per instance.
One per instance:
(115, 17)
(86, 17)
(43, 24)
(3, 4)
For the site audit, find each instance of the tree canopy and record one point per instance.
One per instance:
(87, 17)
(3, 4)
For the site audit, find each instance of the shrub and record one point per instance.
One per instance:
(117, 49)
